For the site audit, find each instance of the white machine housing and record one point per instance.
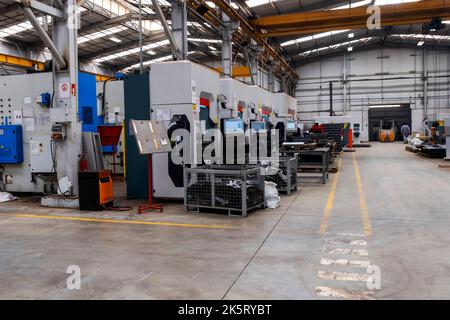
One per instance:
(285, 108)
(18, 102)
(175, 89)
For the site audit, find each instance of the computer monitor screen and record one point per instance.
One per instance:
(234, 126)
(258, 126)
(291, 126)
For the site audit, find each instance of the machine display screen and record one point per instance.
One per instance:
(234, 126)
(258, 126)
(291, 126)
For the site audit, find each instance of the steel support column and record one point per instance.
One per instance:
(250, 66)
(173, 44)
(254, 70)
(68, 152)
(425, 83)
(179, 26)
(271, 80)
(57, 56)
(227, 46)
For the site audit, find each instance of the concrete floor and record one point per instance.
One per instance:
(271, 254)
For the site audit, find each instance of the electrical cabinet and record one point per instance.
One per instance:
(11, 144)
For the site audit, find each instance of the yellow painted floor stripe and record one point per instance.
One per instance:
(362, 200)
(329, 206)
(169, 224)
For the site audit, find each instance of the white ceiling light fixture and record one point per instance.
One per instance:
(257, 3)
(353, 5)
(116, 40)
(351, 35)
(420, 43)
(136, 50)
(235, 6)
(369, 2)
(385, 106)
(313, 37)
(422, 36)
(20, 27)
(388, 2)
(204, 40)
(101, 34)
(350, 49)
(335, 46)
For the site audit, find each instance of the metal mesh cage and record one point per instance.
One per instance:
(227, 187)
(286, 178)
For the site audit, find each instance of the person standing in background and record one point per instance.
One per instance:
(406, 132)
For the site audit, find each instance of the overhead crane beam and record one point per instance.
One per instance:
(21, 62)
(253, 33)
(353, 18)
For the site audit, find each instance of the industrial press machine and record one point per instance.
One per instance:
(184, 95)
(35, 118)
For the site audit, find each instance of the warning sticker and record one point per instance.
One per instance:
(63, 89)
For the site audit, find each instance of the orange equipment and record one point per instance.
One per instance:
(387, 131)
(95, 190)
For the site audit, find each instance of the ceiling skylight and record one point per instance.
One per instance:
(335, 46)
(148, 47)
(101, 34)
(313, 37)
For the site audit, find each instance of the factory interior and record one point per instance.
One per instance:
(224, 150)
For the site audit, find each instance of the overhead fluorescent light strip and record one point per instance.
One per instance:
(313, 37)
(148, 47)
(336, 46)
(101, 34)
(20, 27)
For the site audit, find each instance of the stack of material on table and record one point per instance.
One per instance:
(334, 132)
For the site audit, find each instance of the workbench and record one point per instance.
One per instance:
(312, 164)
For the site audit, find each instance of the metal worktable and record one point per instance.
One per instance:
(313, 169)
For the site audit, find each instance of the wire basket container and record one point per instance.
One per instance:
(286, 178)
(235, 189)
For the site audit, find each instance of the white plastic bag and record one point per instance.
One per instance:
(271, 195)
(6, 196)
(416, 141)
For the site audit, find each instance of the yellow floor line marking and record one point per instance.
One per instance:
(329, 206)
(344, 293)
(169, 224)
(362, 200)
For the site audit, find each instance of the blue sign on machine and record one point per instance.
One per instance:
(11, 144)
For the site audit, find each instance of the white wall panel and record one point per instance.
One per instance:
(379, 76)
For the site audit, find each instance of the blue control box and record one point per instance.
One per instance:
(11, 144)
